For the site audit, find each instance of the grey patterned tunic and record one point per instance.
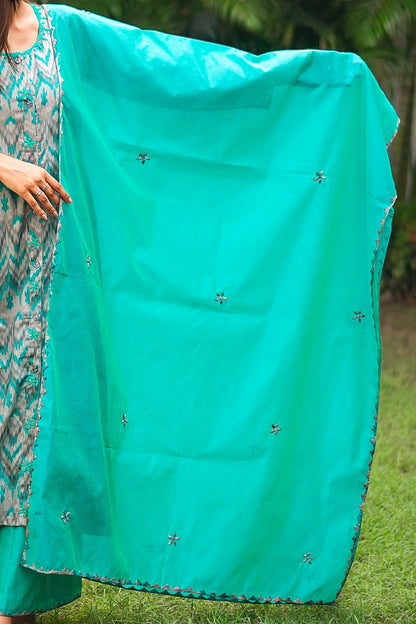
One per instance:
(29, 130)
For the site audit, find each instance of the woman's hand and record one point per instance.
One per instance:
(34, 184)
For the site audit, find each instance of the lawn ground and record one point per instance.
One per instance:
(381, 587)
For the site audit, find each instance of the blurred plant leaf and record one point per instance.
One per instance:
(251, 15)
(370, 21)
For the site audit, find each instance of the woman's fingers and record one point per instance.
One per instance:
(58, 188)
(45, 195)
(28, 197)
(49, 192)
(44, 201)
(41, 199)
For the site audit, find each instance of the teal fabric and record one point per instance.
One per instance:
(24, 591)
(213, 356)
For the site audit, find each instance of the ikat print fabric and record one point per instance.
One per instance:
(29, 130)
(29, 113)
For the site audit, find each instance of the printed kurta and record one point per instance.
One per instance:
(29, 114)
(29, 129)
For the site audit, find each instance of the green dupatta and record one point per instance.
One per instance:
(212, 368)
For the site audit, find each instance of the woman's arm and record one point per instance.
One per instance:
(30, 182)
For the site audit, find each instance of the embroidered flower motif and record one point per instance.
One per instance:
(23, 510)
(34, 286)
(30, 423)
(29, 142)
(124, 422)
(307, 558)
(275, 429)
(358, 316)
(221, 298)
(25, 96)
(32, 380)
(88, 261)
(320, 176)
(33, 334)
(143, 157)
(34, 244)
(173, 539)
(26, 466)
(66, 517)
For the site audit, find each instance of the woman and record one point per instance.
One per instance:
(29, 195)
(194, 272)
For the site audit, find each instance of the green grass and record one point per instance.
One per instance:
(381, 587)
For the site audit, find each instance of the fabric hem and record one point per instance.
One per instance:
(177, 590)
(49, 608)
(394, 134)
(379, 254)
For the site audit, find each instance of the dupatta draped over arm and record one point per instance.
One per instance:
(211, 377)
